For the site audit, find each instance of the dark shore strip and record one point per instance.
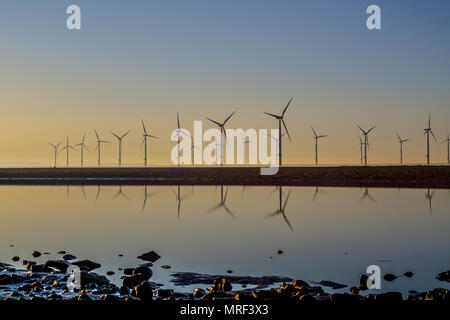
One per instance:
(345, 176)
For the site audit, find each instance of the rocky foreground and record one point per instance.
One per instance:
(48, 281)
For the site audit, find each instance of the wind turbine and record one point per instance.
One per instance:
(222, 203)
(361, 149)
(281, 121)
(179, 199)
(222, 133)
(282, 208)
(82, 146)
(55, 147)
(67, 147)
(401, 141)
(119, 138)
(366, 141)
(99, 142)
(276, 141)
(316, 139)
(178, 136)
(366, 194)
(146, 195)
(144, 141)
(120, 193)
(448, 147)
(427, 131)
(429, 197)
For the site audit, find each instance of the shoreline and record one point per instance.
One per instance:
(343, 176)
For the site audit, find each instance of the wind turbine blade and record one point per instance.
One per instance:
(143, 126)
(149, 135)
(143, 140)
(361, 129)
(214, 208)
(228, 117)
(371, 129)
(217, 123)
(84, 137)
(398, 136)
(434, 137)
(315, 134)
(287, 222)
(323, 136)
(272, 115)
(287, 131)
(229, 211)
(429, 121)
(285, 108)
(286, 201)
(178, 121)
(125, 134)
(98, 138)
(115, 135)
(273, 214)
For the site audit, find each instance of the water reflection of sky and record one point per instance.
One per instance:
(325, 233)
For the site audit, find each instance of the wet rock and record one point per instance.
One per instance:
(39, 268)
(60, 265)
(110, 273)
(300, 283)
(84, 297)
(164, 293)
(411, 298)
(198, 293)
(286, 289)
(87, 265)
(280, 251)
(363, 282)
(306, 298)
(230, 271)
(61, 252)
(165, 266)
(143, 291)
(354, 290)
(14, 296)
(344, 298)
(389, 277)
(243, 297)
(134, 280)
(124, 291)
(69, 257)
(270, 294)
(147, 264)
(151, 256)
(15, 258)
(7, 279)
(438, 294)
(444, 276)
(53, 296)
(144, 271)
(408, 274)
(120, 255)
(109, 297)
(389, 297)
(223, 285)
(88, 278)
(331, 284)
(128, 271)
(36, 254)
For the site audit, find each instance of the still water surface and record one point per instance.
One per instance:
(325, 233)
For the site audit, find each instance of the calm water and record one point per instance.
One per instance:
(326, 233)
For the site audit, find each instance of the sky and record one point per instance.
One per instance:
(150, 59)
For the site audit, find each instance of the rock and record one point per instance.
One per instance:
(60, 265)
(444, 276)
(124, 291)
(280, 251)
(151, 256)
(438, 294)
(222, 285)
(363, 282)
(61, 252)
(134, 280)
(110, 273)
(92, 278)
(120, 255)
(229, 271)
(389, 297)
(69, 257)
(36, 254)
(165, 267)
(143, 291)
(344, 298)
(143, 270)
(354, 290)
(109, 297)
(87, 265)
(331, 284)
(389, 277)
(300, 283)
(164, 293)
(39, 268)
(128, 271)
(84, 297)
(270, 294)
(198, 293)
(408, 274)
(15, 258)
(147, 264)
(306, 298)
(243, 297)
